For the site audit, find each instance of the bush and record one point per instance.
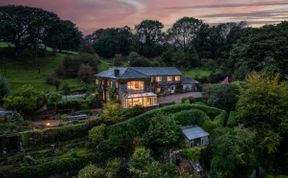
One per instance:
(191, 117)
(224, 96)
(53, 167)
(112, 112)
(194, 153)
(124, 132)
(91, 171)
(96, 134)
(85, 73)
(4, 88)
(26, 100)
(58, 134)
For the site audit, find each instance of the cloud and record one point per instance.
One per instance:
(90, 15)
(226, 5)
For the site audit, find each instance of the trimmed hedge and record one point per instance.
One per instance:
(54, 167)
(35, 138)
(186, 114)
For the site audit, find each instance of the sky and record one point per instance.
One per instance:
(90, 15)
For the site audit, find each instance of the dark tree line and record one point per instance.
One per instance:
(232, 49)
(27, 26)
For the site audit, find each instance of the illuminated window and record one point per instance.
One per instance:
(97, 81)
(158, 90)
(158, 79)
(135, 85)
(177, 78)
(169, 78)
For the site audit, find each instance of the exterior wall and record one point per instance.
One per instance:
(204, 141)
(189, 87)
(167, 87)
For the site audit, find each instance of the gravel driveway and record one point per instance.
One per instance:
(177, 98)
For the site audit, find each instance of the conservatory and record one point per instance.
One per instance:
(140, 99)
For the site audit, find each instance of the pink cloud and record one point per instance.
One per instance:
(90, 15)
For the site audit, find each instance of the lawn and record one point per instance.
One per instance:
(197, 73)
(19, 73)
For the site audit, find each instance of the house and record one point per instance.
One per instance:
(140, 85)
(195, 136)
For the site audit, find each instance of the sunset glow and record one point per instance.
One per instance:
(90, 15)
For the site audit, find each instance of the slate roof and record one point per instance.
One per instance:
(138, 72)
(193, 132)
(187, 80)
(153, 71)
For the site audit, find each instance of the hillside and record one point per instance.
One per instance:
(19, 73)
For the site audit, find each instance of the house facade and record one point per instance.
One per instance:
(141, 85)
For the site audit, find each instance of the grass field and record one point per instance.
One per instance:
(197, 73)
(19, 73)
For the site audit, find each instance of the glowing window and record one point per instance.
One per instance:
(135, 85)
(158, 90)
(169, 78)
(177, 78)
(158, 79)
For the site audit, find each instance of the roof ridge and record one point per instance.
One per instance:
(137, 71)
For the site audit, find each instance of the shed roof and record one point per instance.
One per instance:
(193, 132)
(188, 80)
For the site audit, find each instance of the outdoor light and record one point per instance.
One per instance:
(48, 124)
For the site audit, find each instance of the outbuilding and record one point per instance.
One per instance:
(195, 136)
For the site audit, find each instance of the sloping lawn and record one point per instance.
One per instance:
(19, 73)
(197, 73)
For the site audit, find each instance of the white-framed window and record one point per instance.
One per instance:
(135, 85)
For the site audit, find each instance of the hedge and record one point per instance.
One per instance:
(35, 138)
(54, 167)
(211, 118)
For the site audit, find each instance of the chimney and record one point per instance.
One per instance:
(116, 72)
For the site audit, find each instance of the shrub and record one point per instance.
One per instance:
(58, 134)
(233, 119)
(4, 88)
(191, 117)
(26, 100)
(85, 73)
(194, 153)
(223, 96)
(96, 134)
(91, 171)
(112, 112)
(53, 167)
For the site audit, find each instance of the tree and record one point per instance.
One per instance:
(262, 106)
(64, 35)
(91, 171)
(96, 134)
(85, 73)
(135, 60)
(184, 31)
(163, 132)
(113, 168)
(117, 60)
(26, 100)
(23, 26)
(224, 96)
(112, 112)
(258, 46)
(4, 88)
(111, 41)
(149, 37)
(232, 153)
(54, 98)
